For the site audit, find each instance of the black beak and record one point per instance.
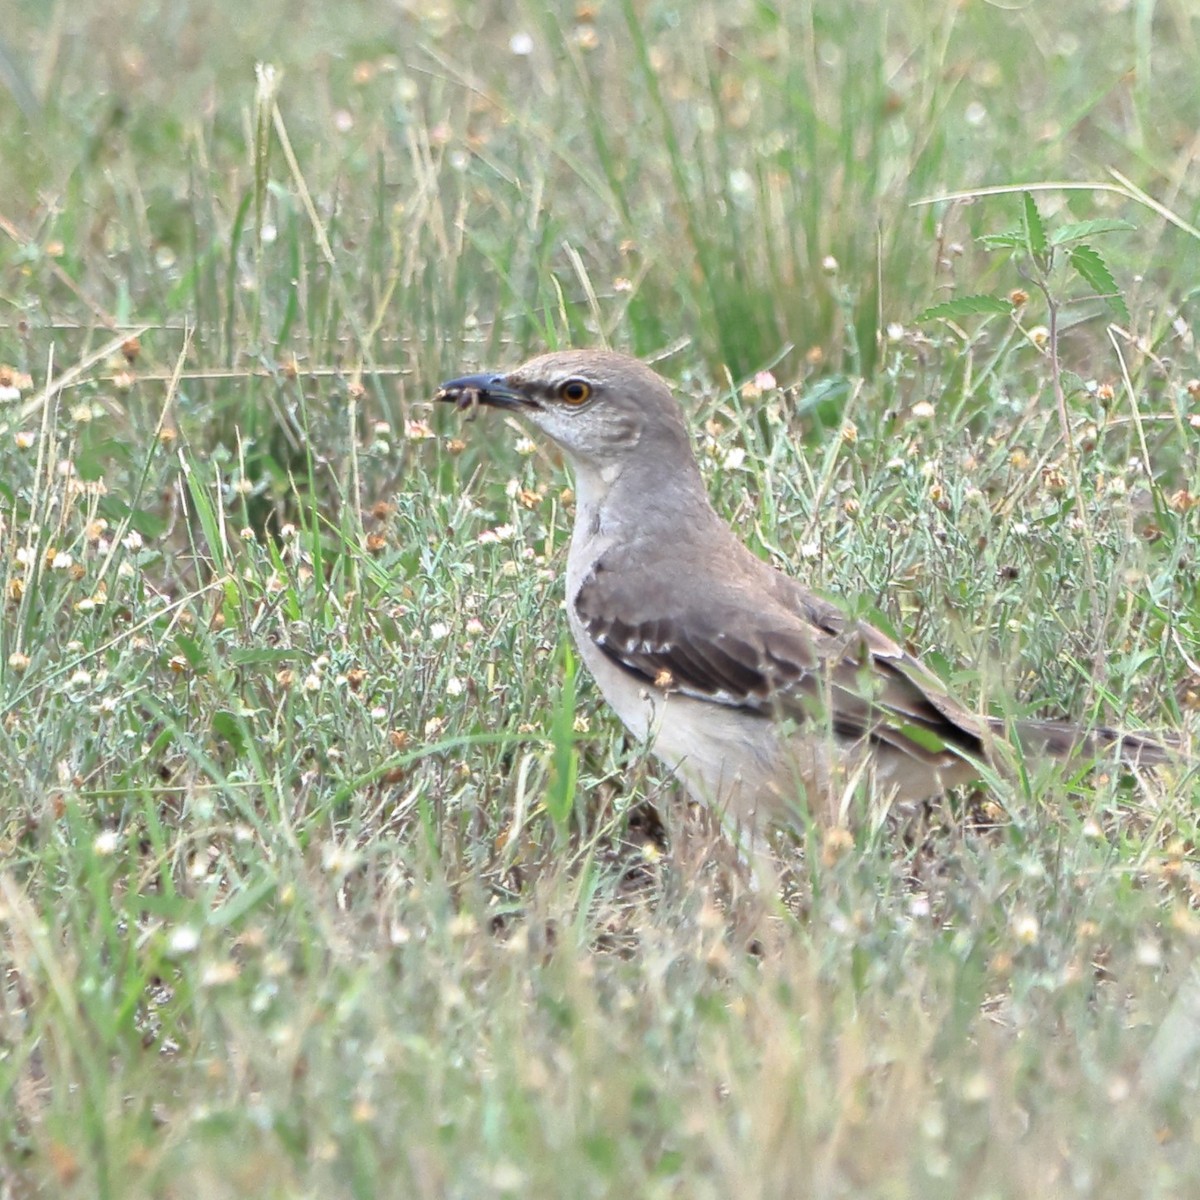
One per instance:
(491, 390)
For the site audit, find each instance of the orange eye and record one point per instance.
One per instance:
(575, 391)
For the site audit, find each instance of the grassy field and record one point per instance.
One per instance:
(296, 897)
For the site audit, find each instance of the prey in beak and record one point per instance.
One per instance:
(470, 391)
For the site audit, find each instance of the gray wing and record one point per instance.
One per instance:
(777, 651)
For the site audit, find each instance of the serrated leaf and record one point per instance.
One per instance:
(1095, 273)
(1033, 226)
(967, 306)
(1083, 229)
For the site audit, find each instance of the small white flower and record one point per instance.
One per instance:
(1148, 953)
(1025, 928)
(183, 940)
(337, 860)
(741, 182)
(521, 44)
(439, 631)
(105, 843)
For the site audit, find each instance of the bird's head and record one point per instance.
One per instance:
(602, 408)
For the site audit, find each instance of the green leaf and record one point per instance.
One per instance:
(1083, 229)
(149, 525)
(227, 725)
(1014, 239)
(96, 456)
(827, 397)
(1095, 273)
(564, 757)
(240, 903)
(262, 656)
(1033, 227)
(881, 621)
(191, 649)
(967, 306)
(1072, 384)
(924, 737)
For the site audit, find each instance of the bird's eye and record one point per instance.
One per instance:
(574, 391)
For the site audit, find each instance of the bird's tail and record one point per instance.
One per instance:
(1063, 740)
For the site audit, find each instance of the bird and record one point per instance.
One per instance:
(768, 701)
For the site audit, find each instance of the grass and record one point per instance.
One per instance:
(320, 870)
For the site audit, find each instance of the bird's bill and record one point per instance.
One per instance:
(491, 390)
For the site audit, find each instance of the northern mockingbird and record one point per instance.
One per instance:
(764, 698)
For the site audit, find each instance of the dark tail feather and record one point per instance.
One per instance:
(1062, 740)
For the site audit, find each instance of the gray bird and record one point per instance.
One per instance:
(765, 699)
